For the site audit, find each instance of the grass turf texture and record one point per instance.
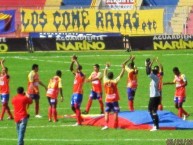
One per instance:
(42, 132)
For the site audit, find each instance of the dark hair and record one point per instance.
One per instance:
(110, 75)
(6, 69)
(176, 69)
(79, 67)
(20, 90)
(147, 60)
(97, 66)
(59, 73)
(131, 65)
(156, 68)
(155, 71)
(34, 66)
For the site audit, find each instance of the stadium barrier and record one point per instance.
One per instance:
(161, 42)
(13, 44)
(76, 41)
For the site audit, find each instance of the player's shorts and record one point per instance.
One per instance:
(52, 101)
(179, 99)
(131, 93)
(76, 99)
(153, 104)
(34, 96)
(4, 98)
(95, 95)
(112, 106)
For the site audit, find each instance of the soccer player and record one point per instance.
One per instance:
(20, 104)
(77, 96)
(160, 75)
(180, 94)
(154, 96)
(112, 95)
(4, 91)
(33, 87)
(54, 87)
(96, 91)
(131, 81)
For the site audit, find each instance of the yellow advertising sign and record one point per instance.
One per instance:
(139, 22)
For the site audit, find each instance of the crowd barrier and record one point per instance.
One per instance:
(92, 41)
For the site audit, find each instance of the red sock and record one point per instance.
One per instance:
(131, 105)
(160, 107)
(50, 112)
(9, 112)
(88, 105)
(101, 106)
(184, 112)
(54, 113)
(78, 115)
(180, 112)
(3, 112)
(37, 108)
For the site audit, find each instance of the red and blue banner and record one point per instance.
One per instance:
(7, 21)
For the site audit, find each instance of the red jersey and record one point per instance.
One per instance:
(132, 78)
(4, 84)
(111, 90)
(78, 83)
(180, 89)
(54, 87)
(33, 83)
(20, 104)
(96, 84)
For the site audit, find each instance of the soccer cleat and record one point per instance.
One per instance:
(9, 118)
(85, 112)
(104, 128)
(186, 116)
(38, 116)
(154, 128)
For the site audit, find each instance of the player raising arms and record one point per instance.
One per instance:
(4, 90)
(154, 96)
(112, 95)
(33, 87)
(54, 87)
(160, 75)
(180, 93)
(131, 81)
(96, 91)
(77, 95)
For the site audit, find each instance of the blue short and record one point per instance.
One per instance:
(52, 101)
(179, 99)
(131, 93)
(76, 99)
(34, 96)
(4, 98)
(95, 95)
(112, 106)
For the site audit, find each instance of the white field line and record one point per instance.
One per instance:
(86, 140)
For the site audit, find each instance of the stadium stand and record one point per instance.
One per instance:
(180, 16)
(67, 4)
(169, 8)
(189, 23)
(22, 3)
(52, 4)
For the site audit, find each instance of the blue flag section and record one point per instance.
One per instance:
(140, 120)
(7, 21)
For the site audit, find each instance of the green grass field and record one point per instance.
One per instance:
(42, 132)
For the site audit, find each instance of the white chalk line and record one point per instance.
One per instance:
(86, 140)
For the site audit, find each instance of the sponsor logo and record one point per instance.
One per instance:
(73, 36)
(83, 45)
